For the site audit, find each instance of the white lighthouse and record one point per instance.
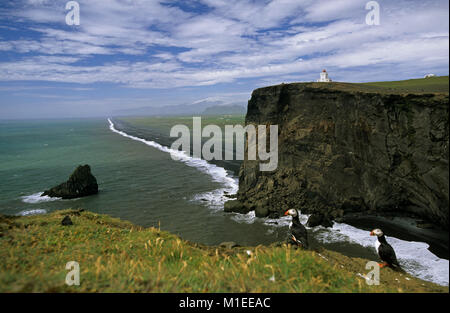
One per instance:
(324, 77)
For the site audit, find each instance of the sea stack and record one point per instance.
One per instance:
(80, 184)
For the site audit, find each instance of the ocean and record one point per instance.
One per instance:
(140, 182)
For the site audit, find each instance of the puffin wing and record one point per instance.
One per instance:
(387, 254)
(301, 234)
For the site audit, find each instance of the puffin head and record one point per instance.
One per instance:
(291, 212)
(376, 232)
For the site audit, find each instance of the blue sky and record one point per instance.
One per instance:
(135, 53)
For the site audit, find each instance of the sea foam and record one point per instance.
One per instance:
(31, 212)
(37, 198)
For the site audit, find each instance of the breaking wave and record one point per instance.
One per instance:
(37, 198)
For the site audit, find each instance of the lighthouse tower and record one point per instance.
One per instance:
(324, 77)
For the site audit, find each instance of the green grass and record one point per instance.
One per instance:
(116, 256)
(433, 85)
(437, 84)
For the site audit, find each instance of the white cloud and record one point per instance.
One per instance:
(233, 40)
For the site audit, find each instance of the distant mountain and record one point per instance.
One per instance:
(181, 109)
(225, 109)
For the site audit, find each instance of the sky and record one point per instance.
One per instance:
(128, 54)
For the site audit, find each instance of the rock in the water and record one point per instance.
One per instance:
(235, 206)
(314, 220)
(80, 184)
(66, 221)
(274, 215)
(229, 244)
(261, 211)
(326, 222)
(319, 219)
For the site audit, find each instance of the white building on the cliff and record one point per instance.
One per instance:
(429, 75)
(324, 77)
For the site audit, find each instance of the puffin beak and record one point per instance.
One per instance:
(372, 234)
(286, 213)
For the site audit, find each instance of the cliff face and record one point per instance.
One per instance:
(348, 149)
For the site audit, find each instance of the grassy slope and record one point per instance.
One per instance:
(116, 256)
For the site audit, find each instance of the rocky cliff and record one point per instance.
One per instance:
(349, 148)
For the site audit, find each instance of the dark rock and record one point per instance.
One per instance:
(261, 211)
(314, 220)
(327, 222)
(66, 221)
(228, 245)
(80, 184)
(235, 206)
(337, 213)
(425, 225)
(353, 149)
(250, 206)
(319, 219)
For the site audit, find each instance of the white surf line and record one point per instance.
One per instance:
(31, 212)
(37, 198)
(215, 198)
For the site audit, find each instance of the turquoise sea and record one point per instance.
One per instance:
(140, 182)
(136, 182)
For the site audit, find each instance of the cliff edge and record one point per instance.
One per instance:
(346, 148)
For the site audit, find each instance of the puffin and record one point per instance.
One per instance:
(385, 250)
(297, 234)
